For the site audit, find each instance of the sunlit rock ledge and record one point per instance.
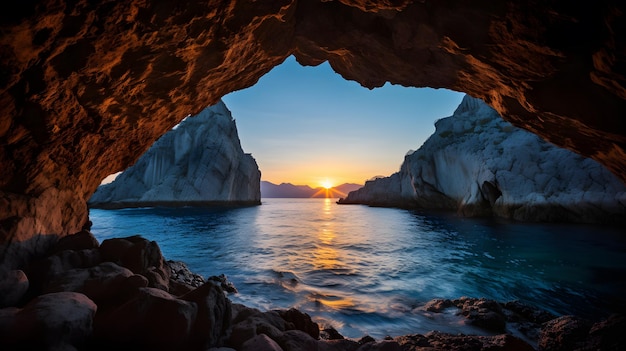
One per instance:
(198, 163)
(480, 165)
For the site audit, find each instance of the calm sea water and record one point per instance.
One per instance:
(364, 270)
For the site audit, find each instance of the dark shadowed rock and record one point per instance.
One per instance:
(106, 284)
(483, 313)
(383, 345)
(139, 255)
(55, 321)
(300, 321)
(564, 333)
(609, 334)
(213, 316)
(296, 340)
(330, 333)
(437, 341)
(223, 281)
(82, 240)
(260, 342)
(153, 319)
(13, 286)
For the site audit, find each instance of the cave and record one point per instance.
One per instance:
(88, 86)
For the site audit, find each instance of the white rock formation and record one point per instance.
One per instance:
(478, 164)
(198, 162)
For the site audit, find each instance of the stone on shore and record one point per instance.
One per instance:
(62, 320)
(153, 319)
(214, 312)
(139, 255)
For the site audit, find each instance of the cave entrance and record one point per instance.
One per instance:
(308, 125)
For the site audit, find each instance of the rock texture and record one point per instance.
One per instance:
(197, 163)
(89, 296)
(478, 164)
(87, 86)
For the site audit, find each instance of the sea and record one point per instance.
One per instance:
(369, 270)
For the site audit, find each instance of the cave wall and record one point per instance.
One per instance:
(87, 86)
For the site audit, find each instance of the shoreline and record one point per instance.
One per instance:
(124, 292)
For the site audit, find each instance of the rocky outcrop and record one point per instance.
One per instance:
(478, 164)
(89, 297)
(199, 162)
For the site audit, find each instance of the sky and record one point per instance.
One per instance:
(308, 125)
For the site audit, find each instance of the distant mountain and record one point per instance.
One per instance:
(288, 190)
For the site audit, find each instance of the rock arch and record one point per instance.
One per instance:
(87, 86)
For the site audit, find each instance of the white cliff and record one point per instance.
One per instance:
(478, 164)
(198, 162)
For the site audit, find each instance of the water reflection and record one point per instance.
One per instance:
(325, 256)
(366, 269)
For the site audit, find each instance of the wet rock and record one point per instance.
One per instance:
(330, 333)
(296, 340)
(13, 287)
(153, 319)
(300, 321)
(483, 313)
(139, 255)
(182, 279)
(366, 339)
(564, 333)
(214, 312)
(260, 343)
(438, 305)
(529, 313)
(179, 271)
(60, 321)
(223, 281)
(437, 341)
(383, 345)
(250, 322)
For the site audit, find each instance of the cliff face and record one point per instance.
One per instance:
(87, 86)
(479, 164)
(198, 162)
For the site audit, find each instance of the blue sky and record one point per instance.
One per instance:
(305, 125)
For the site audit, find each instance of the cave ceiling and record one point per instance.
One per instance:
(87, 86)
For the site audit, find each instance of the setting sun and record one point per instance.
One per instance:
(327, 184)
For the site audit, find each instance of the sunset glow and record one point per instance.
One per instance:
(327, 184)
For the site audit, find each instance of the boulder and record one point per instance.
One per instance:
(13, 287)
(153, 319)
(260, 342)
(300, 321)
(564, 333)
(106, 283)
(437, 341)
(61, 320)
(82, 240)
(214, 314)
(483, 313)
(296, 340)
(139, 255)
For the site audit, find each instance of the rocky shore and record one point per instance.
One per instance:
(123, 294)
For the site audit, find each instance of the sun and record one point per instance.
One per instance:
(327, 184)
